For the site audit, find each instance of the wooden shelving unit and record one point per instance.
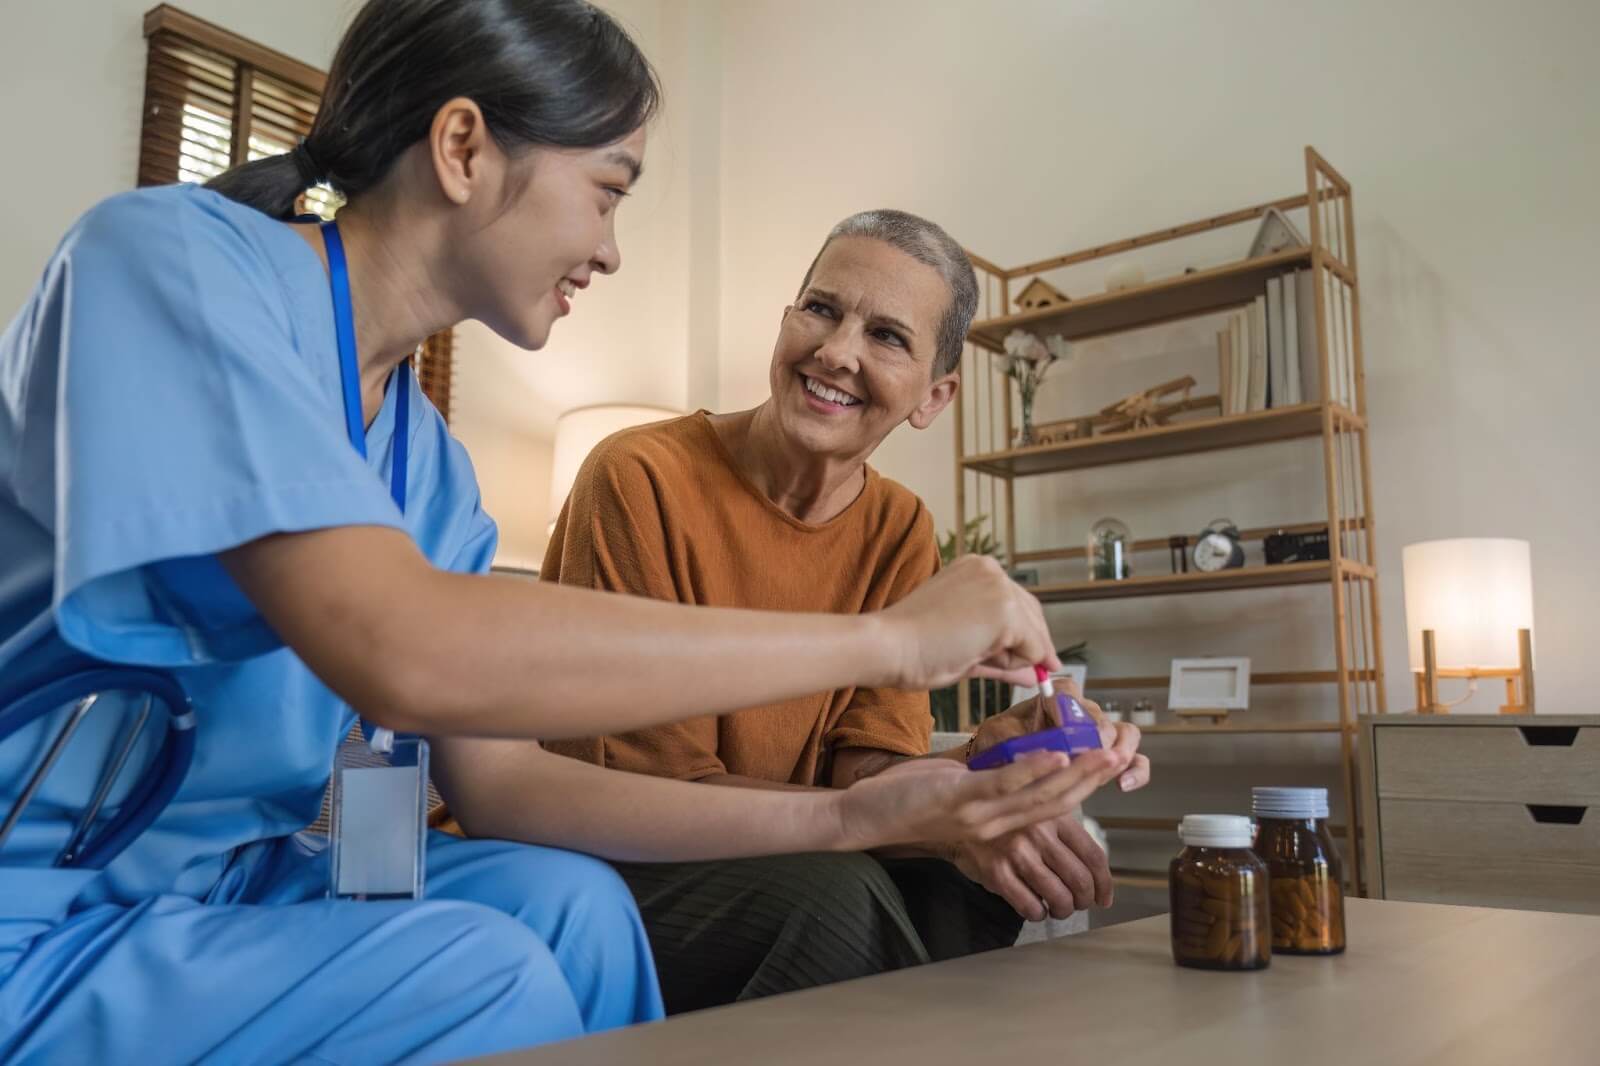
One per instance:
(988, 466)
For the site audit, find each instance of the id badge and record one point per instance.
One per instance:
(379, 844)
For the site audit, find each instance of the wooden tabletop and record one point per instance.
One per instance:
(1420, 984)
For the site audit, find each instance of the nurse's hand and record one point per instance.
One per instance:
(939, 801)
(970, 620)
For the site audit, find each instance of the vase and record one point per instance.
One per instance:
(1025, 434)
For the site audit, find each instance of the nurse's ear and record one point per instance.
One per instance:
(466, 160)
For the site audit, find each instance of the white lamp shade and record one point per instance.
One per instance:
(579, 430)
(1474, 593)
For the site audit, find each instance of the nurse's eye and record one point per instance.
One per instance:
(889, 337)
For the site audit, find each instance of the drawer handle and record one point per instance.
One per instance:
(1549, 736)
(1557, 814)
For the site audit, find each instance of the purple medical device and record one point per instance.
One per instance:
(1077, 733)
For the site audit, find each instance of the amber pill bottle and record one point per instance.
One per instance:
(1220, 916)
(1307, 890)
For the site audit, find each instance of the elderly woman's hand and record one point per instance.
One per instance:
(936, 801)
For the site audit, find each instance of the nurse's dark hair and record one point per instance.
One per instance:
(550, 73)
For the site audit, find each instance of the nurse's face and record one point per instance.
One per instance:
(557, 233)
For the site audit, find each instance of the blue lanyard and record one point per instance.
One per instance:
(344, 325)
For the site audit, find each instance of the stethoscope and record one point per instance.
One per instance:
(88, 848)
(86, 681)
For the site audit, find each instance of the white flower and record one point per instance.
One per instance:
(1021, 344)
(1058, 346)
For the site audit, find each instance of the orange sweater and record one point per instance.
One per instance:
(662, 511)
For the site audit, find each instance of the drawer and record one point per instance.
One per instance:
(1514, 763)
(1491, 854)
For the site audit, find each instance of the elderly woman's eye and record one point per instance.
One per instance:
(819, 308)
(889, 336)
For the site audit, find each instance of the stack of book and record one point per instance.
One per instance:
(1267, 355)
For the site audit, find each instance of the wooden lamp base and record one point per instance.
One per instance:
(1517, 702)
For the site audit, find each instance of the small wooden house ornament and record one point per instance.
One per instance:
(1040, 294)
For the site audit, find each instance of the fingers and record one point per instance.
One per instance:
(1135, 768)
(1137, 775)
(1021, 676)
(1042, 648)
(1061, 892)
(1003, 881)
(1072, 837)
(1041, 797)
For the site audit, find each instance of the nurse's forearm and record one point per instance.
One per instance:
(587, 663)
(420, 649)
(510, 790)
(423, 650)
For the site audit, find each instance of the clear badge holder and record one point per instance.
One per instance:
(379, 844)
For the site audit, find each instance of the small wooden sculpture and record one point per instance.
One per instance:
(1142, 410)
(1040, 294)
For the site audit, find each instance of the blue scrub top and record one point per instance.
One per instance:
(171, 390)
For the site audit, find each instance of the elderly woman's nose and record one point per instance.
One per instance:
(841, 350)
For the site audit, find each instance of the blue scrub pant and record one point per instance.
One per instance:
(514, 945)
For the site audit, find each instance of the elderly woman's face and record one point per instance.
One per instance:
(855, 355)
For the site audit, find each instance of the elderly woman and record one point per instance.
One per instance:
(776, 508)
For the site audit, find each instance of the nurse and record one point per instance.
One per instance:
(183, 487)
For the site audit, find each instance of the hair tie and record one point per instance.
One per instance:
(311, 172)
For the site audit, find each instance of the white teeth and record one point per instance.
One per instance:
(568, 289)
(816, 388)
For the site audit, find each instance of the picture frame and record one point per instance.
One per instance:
(1027, 577)
(1221, 684)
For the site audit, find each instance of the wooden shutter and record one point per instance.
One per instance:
(435, 368)
(213, 99)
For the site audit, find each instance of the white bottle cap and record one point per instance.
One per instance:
(1217, 831)
(1297, 804)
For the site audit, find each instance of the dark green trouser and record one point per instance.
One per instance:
(743, 928)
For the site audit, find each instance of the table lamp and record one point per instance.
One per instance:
(579, 430)
(1469, 614)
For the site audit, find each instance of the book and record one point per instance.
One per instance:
(1258, 354)
(1225, 370)
(1294, 385)
(1239, 326)
(1310, 351)
(1277, 371)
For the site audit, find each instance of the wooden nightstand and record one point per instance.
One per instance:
(1485, 810)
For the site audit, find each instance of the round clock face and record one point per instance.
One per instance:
(1213, 551)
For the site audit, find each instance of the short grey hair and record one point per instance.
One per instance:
(926, 243)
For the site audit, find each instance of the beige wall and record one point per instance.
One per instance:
(1470, 132)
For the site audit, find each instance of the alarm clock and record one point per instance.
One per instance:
(1218, 548)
